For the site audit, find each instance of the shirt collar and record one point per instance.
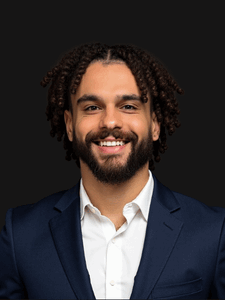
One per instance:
(143, 199)
(84, 200)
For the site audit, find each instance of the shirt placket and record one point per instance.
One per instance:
(114, 263)
(113, 269)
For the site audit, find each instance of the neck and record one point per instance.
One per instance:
(110, 199)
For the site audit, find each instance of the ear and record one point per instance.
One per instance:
(69, 124)
(155, 127)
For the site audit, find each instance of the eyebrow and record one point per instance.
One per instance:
(92, 97)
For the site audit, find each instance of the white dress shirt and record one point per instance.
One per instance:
(112, 257)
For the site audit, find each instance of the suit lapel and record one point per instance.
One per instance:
(67, 236)
(162, 233)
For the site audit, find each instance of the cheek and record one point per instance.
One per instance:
(140, 126)
(82, 127)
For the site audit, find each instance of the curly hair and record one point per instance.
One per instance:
(151, 76)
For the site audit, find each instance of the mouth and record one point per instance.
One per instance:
(107, 143)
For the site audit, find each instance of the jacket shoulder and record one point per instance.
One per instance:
(196, 208)
(48, 201)
(43, 210)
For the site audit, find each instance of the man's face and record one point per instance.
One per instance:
(111, 129)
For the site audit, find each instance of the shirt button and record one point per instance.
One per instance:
(112, 282)
(113, 241)
(93, 210)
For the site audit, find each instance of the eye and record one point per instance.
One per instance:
(129, 107)
(92, 107)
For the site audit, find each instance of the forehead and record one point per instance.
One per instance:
(108, 79)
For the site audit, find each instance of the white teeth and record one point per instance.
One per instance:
(111, 144)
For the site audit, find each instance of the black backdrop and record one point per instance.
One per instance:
(188, 39)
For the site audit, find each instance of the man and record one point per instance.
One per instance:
(119, 233)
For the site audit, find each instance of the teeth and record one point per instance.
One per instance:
(111, 144)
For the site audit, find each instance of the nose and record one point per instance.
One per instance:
(111, 118)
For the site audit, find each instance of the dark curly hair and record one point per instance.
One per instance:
(150, 76)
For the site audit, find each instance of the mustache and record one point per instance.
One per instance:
(116, 133)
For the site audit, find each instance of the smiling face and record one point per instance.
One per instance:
(111, 129)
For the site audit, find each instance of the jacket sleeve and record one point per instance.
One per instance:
(11, 286)
(218, 287)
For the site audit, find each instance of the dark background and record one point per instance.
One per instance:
(188, 39)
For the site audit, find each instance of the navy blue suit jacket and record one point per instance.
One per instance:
(42, 255)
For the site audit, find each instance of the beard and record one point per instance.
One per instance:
(111, 171)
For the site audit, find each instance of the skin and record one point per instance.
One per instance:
(110, 111)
